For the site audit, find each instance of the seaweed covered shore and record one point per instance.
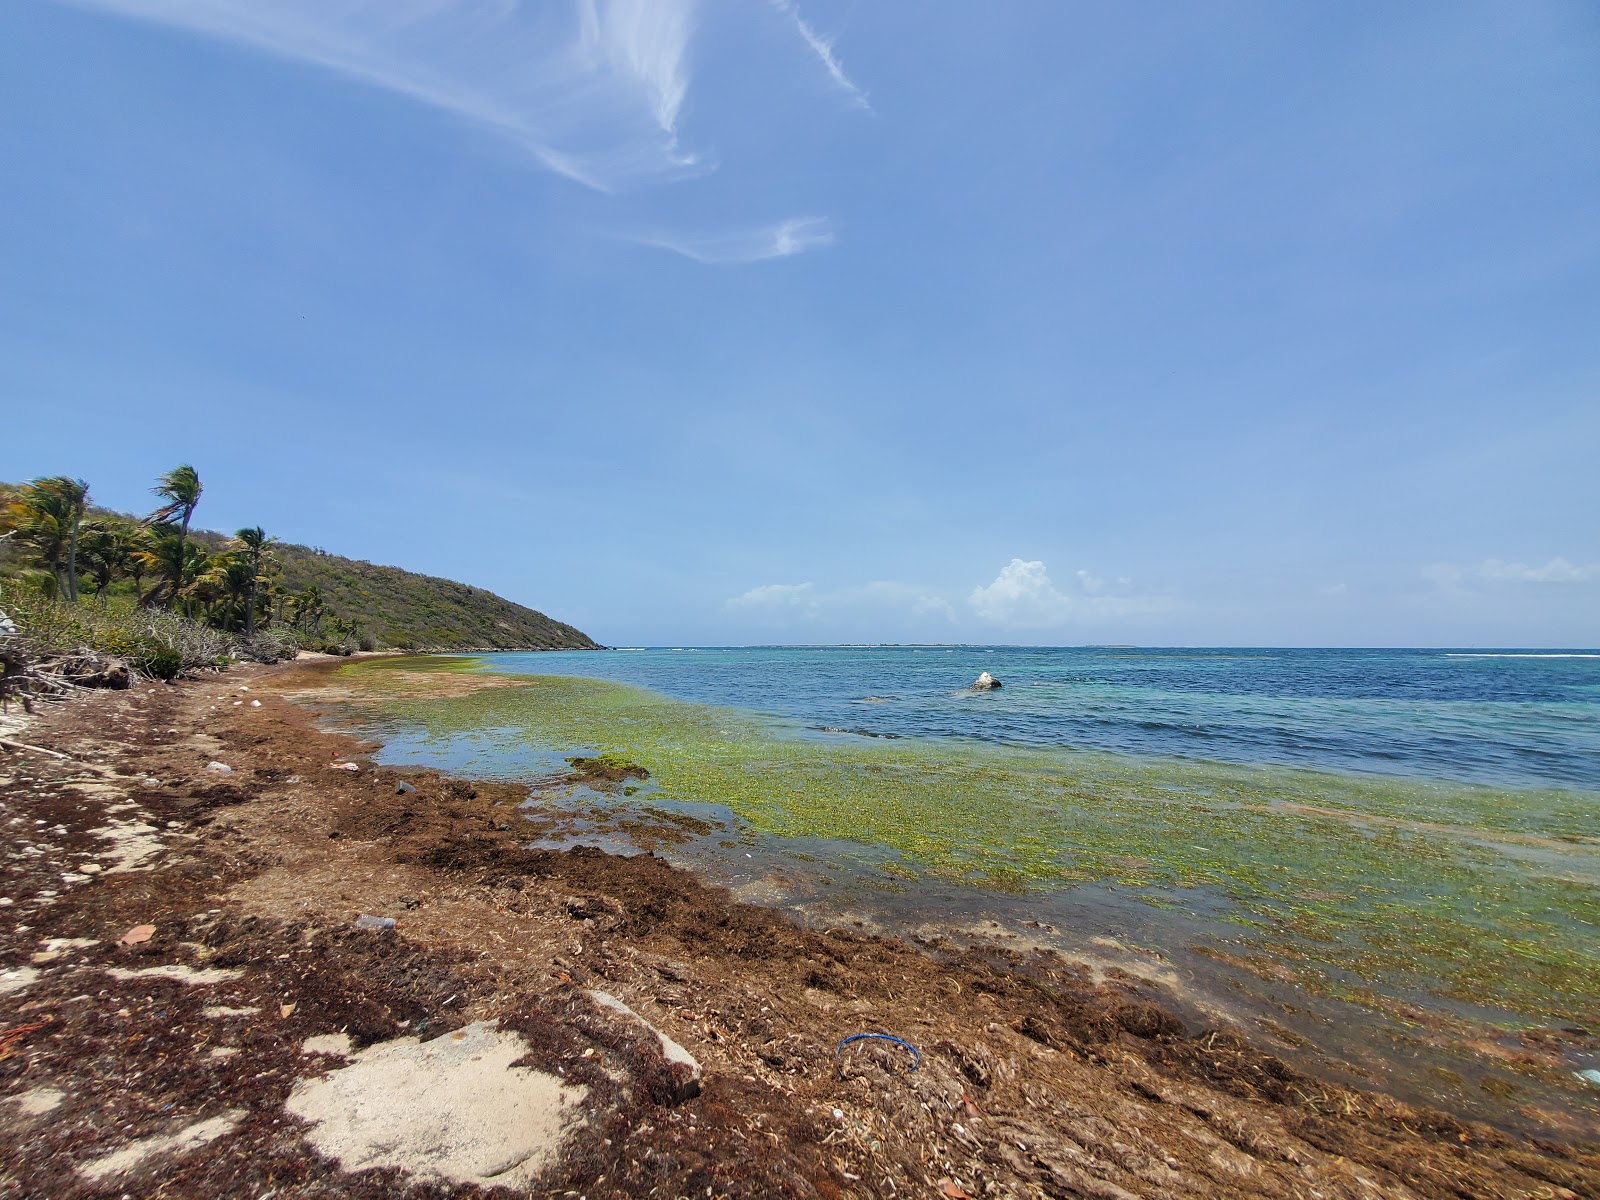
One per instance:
(181, 960)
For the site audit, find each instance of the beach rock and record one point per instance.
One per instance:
(985, 683)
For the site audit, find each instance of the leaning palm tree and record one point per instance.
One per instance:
(257, 545)
(48, 514)
(181, 488)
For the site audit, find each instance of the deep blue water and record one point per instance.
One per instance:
(1508, 718)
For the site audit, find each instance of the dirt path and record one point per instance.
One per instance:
(567, 1023)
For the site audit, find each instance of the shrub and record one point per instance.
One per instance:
(270, 646)
(154, 643)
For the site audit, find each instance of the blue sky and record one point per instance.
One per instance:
(757, 320)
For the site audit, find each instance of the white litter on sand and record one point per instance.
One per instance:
(185, 1141)
(194, 977)
(452, 1109)
(221, 1011)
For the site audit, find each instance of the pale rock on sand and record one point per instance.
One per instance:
(452, 1109)
(185, 1141)
(681, 1065)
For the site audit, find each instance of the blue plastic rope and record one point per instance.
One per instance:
(856, 1037)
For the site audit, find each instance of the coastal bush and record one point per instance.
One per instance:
(270, 646)
(152, 642)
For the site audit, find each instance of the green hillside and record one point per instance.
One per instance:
(402, 609)
(376, 606)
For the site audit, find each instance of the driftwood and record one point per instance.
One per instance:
(8, 744)
(27, 678)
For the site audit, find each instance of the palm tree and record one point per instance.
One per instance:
(308, 608)
(133, 541)
(104, 550)
(178, 564)
(257, 545)
(181, 488)
(74, 495)
(48, 513)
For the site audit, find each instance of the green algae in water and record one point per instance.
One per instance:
(1407, 887)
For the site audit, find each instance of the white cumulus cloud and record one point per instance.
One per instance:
(1023, 596)
(776, 596)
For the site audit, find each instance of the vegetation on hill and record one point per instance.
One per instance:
(164, 598)
(404, 610)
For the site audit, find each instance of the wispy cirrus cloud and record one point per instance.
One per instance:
(823, 48)
(786, 238)
(593, 90)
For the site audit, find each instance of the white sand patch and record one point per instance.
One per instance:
(452, 1109)
(17, 978)
(185, 1141)
(327, 1043)
(55, 948)
(13, 721)
(133, 844)
(68, 943)
(194, 977)
(39, 1101)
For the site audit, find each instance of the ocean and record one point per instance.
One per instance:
(1504, 717)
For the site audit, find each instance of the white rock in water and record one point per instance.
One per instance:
(985, 682)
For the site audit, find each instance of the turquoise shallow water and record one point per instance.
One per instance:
(1512, 718)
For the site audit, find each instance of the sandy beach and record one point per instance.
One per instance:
(289, 977)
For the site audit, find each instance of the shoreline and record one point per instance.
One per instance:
(1034, 1080)
(1516, 1069)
